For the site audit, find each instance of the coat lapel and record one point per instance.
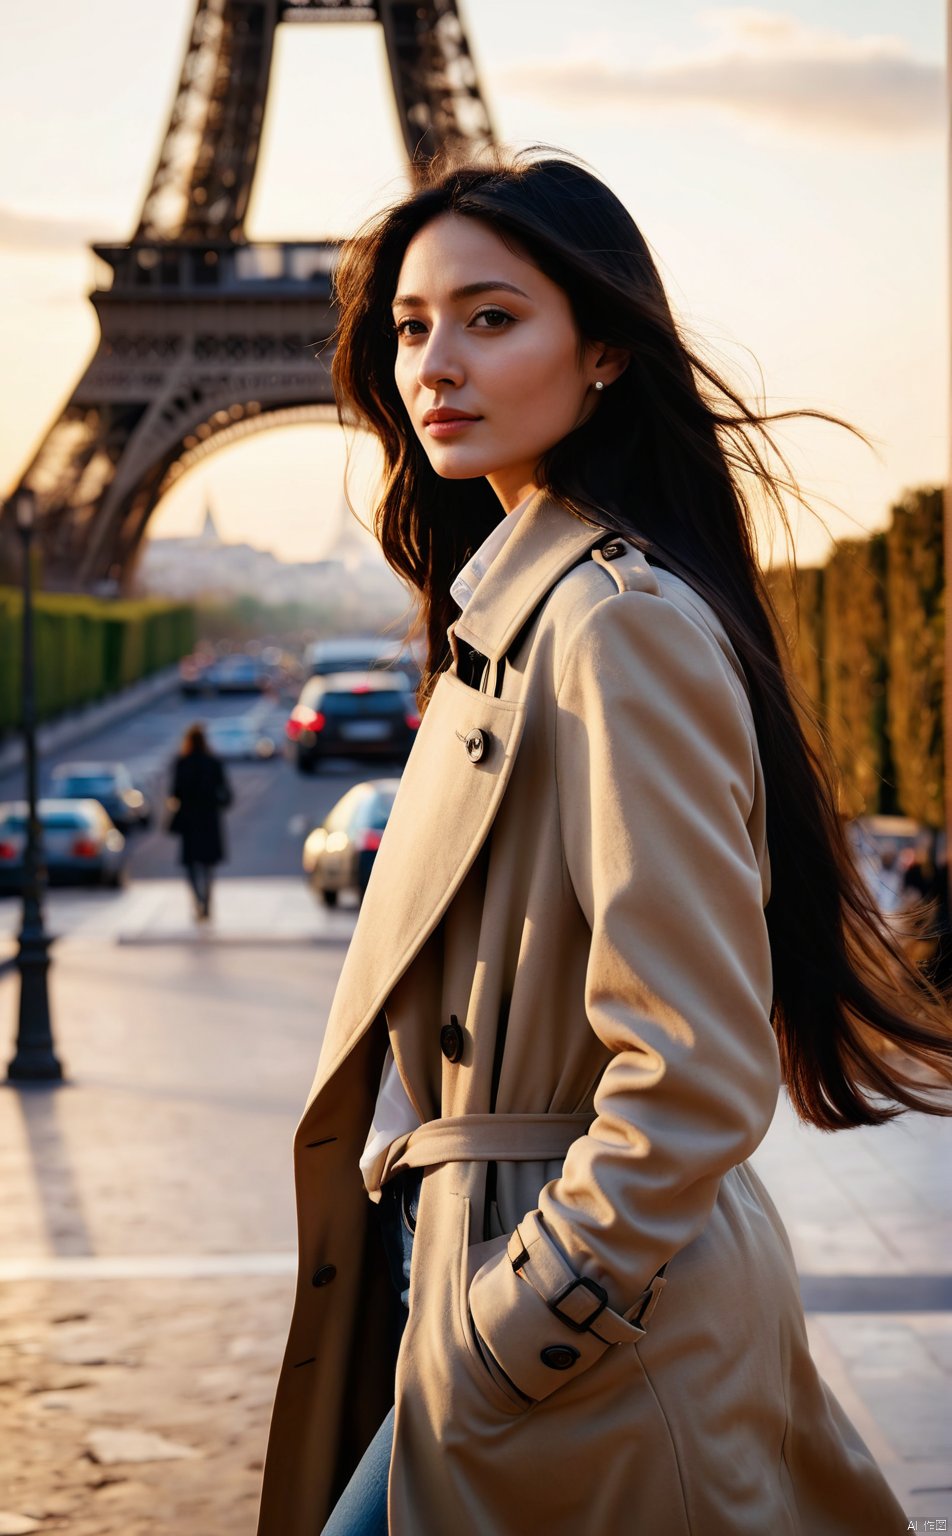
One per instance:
(453, 783)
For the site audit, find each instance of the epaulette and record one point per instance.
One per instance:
(627, 565)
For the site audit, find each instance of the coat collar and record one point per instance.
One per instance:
(547, 541)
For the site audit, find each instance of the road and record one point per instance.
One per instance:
(275, 806)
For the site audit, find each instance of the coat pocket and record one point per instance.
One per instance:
(508, 1399)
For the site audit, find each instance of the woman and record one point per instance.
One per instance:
(567, 1009)
(201, 792)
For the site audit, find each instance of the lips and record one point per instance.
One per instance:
(447, 413)
(447, 422)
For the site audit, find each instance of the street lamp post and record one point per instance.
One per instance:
(35, 1059)
(947, 520)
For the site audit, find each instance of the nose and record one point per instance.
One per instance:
(438, 362)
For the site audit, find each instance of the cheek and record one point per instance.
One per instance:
(539, 380)
(403, 377)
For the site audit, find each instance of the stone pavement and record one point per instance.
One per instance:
(147, 1238)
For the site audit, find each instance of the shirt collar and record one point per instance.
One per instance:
(476, 567)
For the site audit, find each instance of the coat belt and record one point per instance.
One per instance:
(486, 1139)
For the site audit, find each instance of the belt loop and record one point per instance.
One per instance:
(652, 1296)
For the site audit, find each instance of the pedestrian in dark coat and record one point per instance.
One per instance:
(201, 791)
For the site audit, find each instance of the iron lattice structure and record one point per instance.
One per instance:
(205, 335)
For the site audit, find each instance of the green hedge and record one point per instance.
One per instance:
(914, 582)
(86, 648)
(855, 629)
(867, 646)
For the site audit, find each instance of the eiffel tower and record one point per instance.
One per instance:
(205, 335)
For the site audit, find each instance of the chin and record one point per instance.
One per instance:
(459, 467)
(458, 472)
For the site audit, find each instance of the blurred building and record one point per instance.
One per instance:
(354, 575)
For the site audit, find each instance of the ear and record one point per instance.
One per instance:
(606, 363)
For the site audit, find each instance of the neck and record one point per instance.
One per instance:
(511, 493)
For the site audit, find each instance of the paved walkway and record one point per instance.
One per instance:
(253, 911)
(147, 1238)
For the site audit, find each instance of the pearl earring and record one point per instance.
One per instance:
(599, 383)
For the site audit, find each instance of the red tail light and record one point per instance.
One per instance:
(7, 851)
(369, 842)
(302, 720)
(413, 720)
(85, 848)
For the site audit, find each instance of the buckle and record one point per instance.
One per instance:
(582, 1325)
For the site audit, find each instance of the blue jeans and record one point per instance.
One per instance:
(361, 1509)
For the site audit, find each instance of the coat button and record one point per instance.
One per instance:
(475, 745)
(559, 1357)
(324, 1275)
(613, 550)
(451, 1039)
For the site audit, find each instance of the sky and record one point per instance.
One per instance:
(785, 162)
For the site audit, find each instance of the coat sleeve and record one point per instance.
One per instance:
(657, 771)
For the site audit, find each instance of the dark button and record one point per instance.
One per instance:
(451, 1039)
(324, 1275)
(559, 1357)
(613, 550)
(475, 745)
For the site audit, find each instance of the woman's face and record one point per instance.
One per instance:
(488, 343)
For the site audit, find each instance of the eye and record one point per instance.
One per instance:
(497, 319)
(401, 325)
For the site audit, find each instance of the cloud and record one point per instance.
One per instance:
(44, 232)
(765, 65)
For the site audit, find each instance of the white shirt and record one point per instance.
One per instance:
(394, 1115)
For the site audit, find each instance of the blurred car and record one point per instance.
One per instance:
(80, 843)
(109, 783)
(237, 673)
(192, 670)
(339, 855)
(239, 740)
(353, 714)
(362, 653)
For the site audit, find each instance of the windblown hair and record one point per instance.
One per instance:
(668, 460)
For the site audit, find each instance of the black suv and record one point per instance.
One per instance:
(353, 714)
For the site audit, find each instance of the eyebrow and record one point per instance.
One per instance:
(411, 301)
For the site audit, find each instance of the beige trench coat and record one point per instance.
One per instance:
(576, 871)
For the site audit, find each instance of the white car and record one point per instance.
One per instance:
(239, 740)
(339, 854)
(80, 843)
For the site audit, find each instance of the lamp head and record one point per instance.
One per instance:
(24, 505)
